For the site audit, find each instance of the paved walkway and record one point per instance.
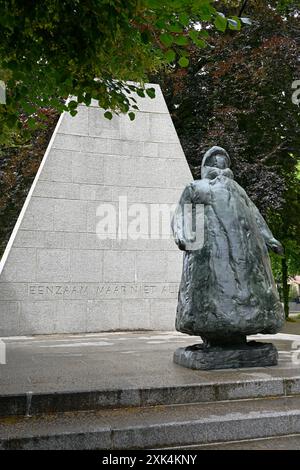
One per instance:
(106, 361)
(292, 327)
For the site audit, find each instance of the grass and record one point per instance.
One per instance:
(291, 319)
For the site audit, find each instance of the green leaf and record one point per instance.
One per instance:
(193, 34)
(170, 55)
(160, 23)
(166, 39)
(234, 23)
(220, 22)
(150, 92)
(200, 43)
(175, 28)
(181, 40)
(183, 62)
(131, 116)
(87, 99)
(42, 116)
(205, 10)
(140, 92)
(72, 104)
(28, 108)
(125, 107)
(203, 33)
(31, 123)
(184, 53)
(108, 115)
(184, 19)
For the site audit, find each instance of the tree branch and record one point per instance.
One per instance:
(242, 8)
(272, 153)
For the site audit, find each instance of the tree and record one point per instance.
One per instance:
(239, 96)
(286, 224)
(51, 50)
(18, 167)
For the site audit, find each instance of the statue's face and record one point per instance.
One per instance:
(220, 162)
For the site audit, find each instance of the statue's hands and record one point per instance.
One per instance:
(276, 246)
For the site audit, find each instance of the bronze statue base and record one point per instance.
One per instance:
(203, 357)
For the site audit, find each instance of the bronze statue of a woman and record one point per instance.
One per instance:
(227, 289)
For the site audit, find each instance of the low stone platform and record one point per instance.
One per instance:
(250, 354)
(83, 372)
(123, 391)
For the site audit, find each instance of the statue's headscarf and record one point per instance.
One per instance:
(207, 168)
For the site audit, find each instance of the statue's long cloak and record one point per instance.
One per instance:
(227, 286)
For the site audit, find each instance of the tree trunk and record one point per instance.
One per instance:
(285, 286)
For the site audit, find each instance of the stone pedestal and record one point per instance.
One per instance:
(251, 354)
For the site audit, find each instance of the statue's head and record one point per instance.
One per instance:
(215, 157)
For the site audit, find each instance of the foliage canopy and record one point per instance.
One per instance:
(88, 49)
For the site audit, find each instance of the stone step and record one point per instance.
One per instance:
(154, 427)
(31, 403)
(289, 442)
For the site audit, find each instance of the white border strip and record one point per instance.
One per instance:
(27, 200)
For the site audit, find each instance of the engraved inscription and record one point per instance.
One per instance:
(95, 291)
(58, 290)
